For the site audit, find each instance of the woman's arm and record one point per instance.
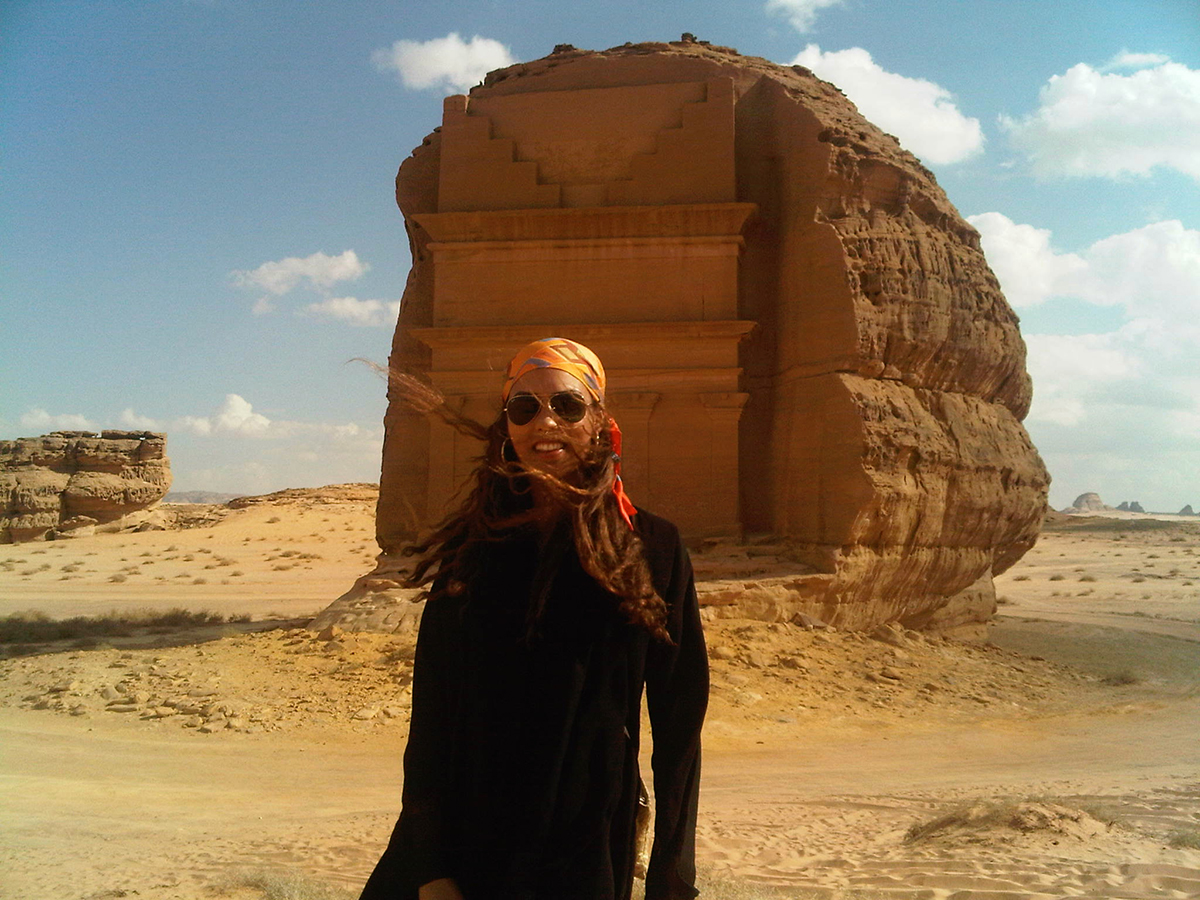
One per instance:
(677, 697)
(418, 855)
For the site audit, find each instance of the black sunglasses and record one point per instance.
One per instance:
(568, 406)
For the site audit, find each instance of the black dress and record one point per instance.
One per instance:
(521, 774)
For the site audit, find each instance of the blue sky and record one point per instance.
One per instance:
(197, 227)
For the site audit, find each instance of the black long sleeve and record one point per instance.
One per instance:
(677, 697)
(419, 850)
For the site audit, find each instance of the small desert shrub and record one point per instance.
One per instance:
(1122, 678)
(1021, 578)
(1002, 601)
(236, 573)
(1138, 579)
(278, 886)
(1087, 577)
(117, 577)
(273, 520)
(199, 581)
(1058, 577)
(1184, 839)
(36, 627)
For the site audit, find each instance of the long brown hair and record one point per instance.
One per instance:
(500, 504)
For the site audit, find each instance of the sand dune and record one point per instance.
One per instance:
(1059, 761)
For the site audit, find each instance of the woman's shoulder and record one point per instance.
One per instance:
(655, 530)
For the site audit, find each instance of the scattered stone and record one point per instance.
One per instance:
(890, 634)
(807, 622)
(366, 712)
(329, 633)
(721, 651)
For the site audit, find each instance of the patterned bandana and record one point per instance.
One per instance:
(558, 353)
(580, 362)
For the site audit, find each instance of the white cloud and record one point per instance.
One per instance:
(1029, 269)
(1127, 60)
(801, 13)
(262, 306)
(236, 415)
(131, 420)
(368, 313)
(1152, 273)
(1096, 123)
(39, 420)
(918, 112)
(448, 63)
(1123, 405)
(320, 271)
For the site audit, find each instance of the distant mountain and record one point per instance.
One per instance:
(199, 497)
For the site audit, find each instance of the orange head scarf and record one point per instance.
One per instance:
(584, 365)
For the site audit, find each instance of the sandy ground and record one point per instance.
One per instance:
(1060, 760)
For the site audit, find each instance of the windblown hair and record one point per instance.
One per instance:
(500, 504)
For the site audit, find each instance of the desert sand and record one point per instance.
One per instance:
(258, 759)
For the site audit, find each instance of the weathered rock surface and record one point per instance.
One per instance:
(1187, 511)
(1089, 502)
(802, 334)
(1130, 506)
(68, 483)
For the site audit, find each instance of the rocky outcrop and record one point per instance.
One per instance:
(1187, 511)
(1130, 506)
(802, 334)
(69, 483)
(1089, 502)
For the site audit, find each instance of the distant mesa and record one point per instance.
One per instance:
(1089, 502)
(1130, 506)
(73, 483)
(1187, 511)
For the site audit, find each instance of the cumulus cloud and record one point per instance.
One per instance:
(1151, 272)
(134, 422)
(448, 63)
(365, 313)
(1106, 124)
(1029, 269)
(320, 271)
(1122, 405)
(39, 420)
(920, 113)
(1127, 60)
(801, 13)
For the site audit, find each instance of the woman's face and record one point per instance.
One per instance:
(546, 442)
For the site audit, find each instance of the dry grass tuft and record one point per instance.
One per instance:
(35, 627)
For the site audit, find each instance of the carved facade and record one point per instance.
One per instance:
(801, 334)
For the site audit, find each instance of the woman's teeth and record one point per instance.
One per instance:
(547, 446)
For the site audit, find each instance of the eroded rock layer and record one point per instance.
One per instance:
(803, 335)
(70, 482)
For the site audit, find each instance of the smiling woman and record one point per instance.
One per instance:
(552, 603)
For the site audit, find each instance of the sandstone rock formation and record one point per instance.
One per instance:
(1187, 511)
(1130, 506)
(1089, 502)
(802, 335)
(69, 483)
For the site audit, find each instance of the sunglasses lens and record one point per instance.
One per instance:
(568, 407)
(521, 409)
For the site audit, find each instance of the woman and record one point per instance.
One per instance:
(553, 601)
